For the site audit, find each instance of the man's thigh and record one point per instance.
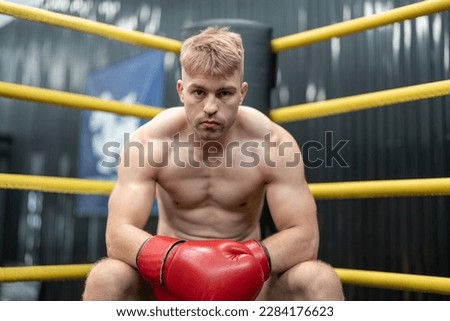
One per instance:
(271, 290)
(112, 279)
(310, 280)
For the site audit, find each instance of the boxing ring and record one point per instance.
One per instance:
(336, 190)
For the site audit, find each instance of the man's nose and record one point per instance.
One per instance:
(211, 106)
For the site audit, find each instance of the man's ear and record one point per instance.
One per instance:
(244, 89)
(180, 90)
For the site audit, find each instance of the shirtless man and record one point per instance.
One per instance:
(210, 164)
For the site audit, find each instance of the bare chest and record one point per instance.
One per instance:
(229, 189)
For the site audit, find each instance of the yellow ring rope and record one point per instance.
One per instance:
(89, 26)
(78, 101)
(382, 188)
(279, 44)
(388, 280)
(359, 24)
(338, 190)
(395, 281)
(360, 102)
(55, 184)
(45, 272)
(280, 115)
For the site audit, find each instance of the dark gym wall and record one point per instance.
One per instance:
(407, 140)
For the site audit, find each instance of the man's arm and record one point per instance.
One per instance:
(130, 206)
(292, 208)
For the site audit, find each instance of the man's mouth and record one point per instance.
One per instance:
(209, 124)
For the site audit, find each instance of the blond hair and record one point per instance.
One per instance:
(215, 51)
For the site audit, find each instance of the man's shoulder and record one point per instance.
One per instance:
(261, 125)
(253, 120)
(251, 111)
(165, 124)
(170, 114)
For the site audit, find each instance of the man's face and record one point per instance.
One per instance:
(211, 103)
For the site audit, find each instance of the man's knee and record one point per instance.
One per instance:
(310, 280)
(112, 279)
(318, 281)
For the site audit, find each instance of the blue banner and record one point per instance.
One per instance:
(137, 80)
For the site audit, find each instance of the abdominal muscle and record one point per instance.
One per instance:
(208, 221)
(207, 234)
(210, 203)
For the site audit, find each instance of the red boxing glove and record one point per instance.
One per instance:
(150, 260)
(261, 254)
(201, 270)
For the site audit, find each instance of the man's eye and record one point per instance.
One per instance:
(224, 94)
(198, 93)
